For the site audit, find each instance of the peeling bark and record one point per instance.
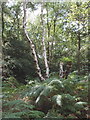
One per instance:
(31, 44)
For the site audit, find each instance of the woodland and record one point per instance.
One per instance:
(45, 60)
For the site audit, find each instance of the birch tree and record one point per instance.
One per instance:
(31, 44)
(43, 41)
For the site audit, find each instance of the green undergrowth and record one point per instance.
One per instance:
(53, 98)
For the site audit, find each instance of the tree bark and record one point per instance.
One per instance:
(18, 28)
(79, 40)
(2, 20)
(48, 30)
(61, 71)
(79, 46)
(54, 31)
(31, 44)
(43, 42)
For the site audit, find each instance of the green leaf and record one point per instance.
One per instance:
(80, 105)
(57, 83)
(57, 99)
(35, 91)
(46, 91)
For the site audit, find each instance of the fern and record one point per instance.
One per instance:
(46, 91)
(36, 114)
(64, 96)
(57, 83)
(80, 105)
(57, 99)
(35, 91)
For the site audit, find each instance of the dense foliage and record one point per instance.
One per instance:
(56, 39)
(54, 98)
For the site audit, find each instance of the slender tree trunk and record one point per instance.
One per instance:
(54, 31)
(53, 42)
(31, 44)
(2, 42)
(50, 45)
(54, 27)
(61, 71)
(48, 30)
(43, 42)
(2, 20)
(79, 41)
(78, 53)
(17, 25)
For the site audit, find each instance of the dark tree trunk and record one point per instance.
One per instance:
(78, 53)
(48, 30)
(2, 19)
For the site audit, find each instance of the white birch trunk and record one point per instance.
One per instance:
(61, 70)
(31, 44)
(43, 42)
